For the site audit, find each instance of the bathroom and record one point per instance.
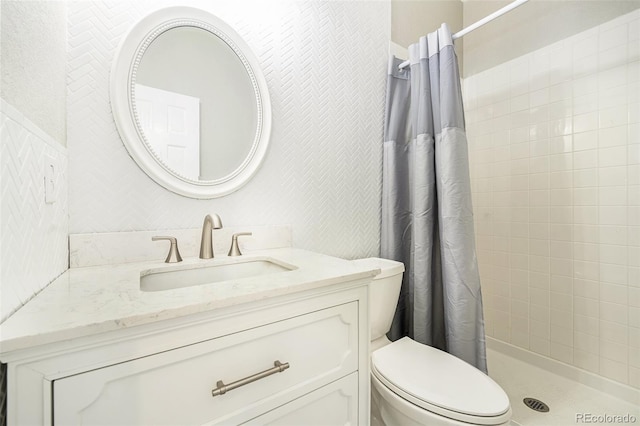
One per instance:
(551, 102)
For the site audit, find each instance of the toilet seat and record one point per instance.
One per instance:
(439, 382)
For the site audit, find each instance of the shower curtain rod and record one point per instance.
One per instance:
(480, 23)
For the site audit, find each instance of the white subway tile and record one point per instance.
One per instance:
(614, 351)
(586, 342)
(585, 233)
(586, 251)
(613, 196)
(612, 136)
(540, 97)
(539, 264)
(586, 288)
(611, 215)
(585, 103)
(613, 273)
(539, 214)
(539, 164)
(612, 64)
(586, 324)
(561, 319)
(538, 131)
(540, 329)
(585, 140)
(613, 293)
(633, 154)
(585, 47)
(540, 298)
(539, 247)
(586, 270)
(585, 66)
(562, 214)
(633, 356)
(613, 37)
(614, 332)
(585, 196)
(560, 232)
(560, 127)
(539, 114)
(634, 316)
(585, 215)
(585, 307)
(585, 159)
(561, 197)
(560, 351)
(612, 97)
(519, 135)
(539, 345)
(633, 256)
(585, 85)
(518, 262)
(538, 181)
(563, 179)
(539, 147)
(613, 312)
(539, 280)
(562, 334)
(613, 234)
(611, 157)
(561, 249)
(634, 296)
(612, 176)
(560, 91)
(521, 150)
(611, 117)
(561, 268)
(560, 162)
(614, 370)
(586, 361)
(586, 178)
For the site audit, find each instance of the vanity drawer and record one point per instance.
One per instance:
(332, 405)
(175, 387)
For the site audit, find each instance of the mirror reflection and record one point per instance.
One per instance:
(196, 104)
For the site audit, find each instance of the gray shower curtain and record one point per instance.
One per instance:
(427, 217)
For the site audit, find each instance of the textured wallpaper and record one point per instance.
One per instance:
(325, 65)
(33, 246)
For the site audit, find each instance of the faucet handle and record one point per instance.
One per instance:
(235, 250)
(174, 253)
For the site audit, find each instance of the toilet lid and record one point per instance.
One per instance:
(439, 382)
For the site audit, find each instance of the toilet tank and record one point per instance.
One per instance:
(383, 293)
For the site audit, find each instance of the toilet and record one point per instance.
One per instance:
(415, 384)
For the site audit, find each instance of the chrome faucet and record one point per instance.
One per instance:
(206, 243)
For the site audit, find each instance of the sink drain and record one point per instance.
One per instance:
(536, 405)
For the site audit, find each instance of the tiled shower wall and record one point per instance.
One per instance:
(555, 161)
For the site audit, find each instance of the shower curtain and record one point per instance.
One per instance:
(427, 217)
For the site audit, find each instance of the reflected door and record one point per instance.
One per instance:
(171, 124)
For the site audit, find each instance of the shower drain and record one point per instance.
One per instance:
(536, 405)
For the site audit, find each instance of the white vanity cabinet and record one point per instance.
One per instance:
(164, 373)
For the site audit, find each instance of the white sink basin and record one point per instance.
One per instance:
(187, 276)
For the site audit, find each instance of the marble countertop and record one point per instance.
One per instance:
(91, 300)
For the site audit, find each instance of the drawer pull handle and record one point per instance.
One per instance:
(221, 389)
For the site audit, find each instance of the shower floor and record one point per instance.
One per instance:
(567, 399)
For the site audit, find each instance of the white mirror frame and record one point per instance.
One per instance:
(123, 73)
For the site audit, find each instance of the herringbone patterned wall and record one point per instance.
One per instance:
(34, 247)
(325, 64)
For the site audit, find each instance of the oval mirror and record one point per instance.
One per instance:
(190, 102)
